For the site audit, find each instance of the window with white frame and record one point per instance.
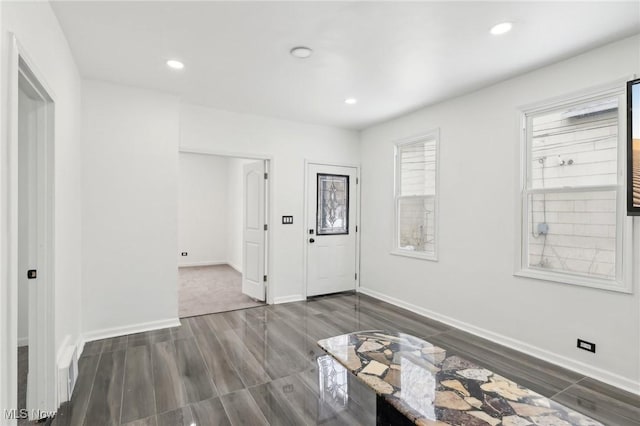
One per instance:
(416, 197)
(573, 220)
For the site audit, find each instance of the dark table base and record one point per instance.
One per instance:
(387, 415)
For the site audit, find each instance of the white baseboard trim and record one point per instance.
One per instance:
(236, 267)
(80, 345)
(67, 354)
(288, 299)
(23, 341)
(205, 263)
(63, 350)
(106, 333)
(543, 354)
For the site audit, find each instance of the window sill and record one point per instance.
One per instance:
(415, 255)
(597, 283)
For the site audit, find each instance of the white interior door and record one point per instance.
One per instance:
(253, 244)
(331, 229)
(27, 227)
(33, 267)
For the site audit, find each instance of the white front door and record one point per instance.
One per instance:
(331, 229)
(253, 244)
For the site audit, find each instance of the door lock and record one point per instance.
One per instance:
(311, 231)
(32, 274)
(311, 240)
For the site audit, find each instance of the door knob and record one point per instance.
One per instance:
(311, 240)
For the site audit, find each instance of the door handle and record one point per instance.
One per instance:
(311, 240)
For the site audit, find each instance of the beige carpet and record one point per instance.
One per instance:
(211, 289)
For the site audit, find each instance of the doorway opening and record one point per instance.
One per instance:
(33, 246)
(222, 233)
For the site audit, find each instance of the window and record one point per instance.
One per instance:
(573, 221)
(416, 197)
(333, 205)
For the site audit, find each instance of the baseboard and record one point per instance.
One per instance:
(205, 263)
(62, 351)
(67, 365)
(543, 354)
(288, 299)
(23, 341)
(106, 333)
(236, 267)
(80, 345)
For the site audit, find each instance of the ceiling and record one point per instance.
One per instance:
(393, 57)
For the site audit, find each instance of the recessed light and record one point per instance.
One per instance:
(351, 101)
(501, 28)
(301, 52)
(176, 65)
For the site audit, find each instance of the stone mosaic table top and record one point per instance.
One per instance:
(431, 388)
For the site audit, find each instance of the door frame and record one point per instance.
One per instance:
(43, 302)
(268, 205)
(307, 163)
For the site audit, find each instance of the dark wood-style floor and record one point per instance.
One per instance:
(23, 371)
(262, 366)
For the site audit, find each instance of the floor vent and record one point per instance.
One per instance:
(67, 374)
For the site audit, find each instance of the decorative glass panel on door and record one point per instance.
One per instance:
(332, 214)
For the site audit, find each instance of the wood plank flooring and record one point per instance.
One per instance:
(23, 370)
(262, 366)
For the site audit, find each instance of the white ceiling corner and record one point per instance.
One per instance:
(393, 57)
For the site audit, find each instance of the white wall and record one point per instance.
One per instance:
(288, 144)
(130, 206)
(39, 33)
(203, 229)
(210, 209)
(473, 285)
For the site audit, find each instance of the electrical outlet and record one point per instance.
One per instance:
(587, 346)
(287, 388)
(184, 253)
